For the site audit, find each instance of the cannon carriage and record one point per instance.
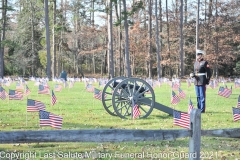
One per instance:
(124, 93)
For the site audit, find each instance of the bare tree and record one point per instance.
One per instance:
(4, 18)
(197, 25)
(47, 40)
(150, 38)
(110, 41)
(157, 41)
(54, 40)
(181, 39)
(127, 63)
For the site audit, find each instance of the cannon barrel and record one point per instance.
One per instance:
(142, 89)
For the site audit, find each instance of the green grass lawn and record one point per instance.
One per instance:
(81, 111)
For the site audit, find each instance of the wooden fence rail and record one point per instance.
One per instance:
(121, 135)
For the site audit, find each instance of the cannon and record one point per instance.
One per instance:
(120, 94)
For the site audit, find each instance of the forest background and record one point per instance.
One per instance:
(112, 38)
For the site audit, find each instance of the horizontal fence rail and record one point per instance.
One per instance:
(107, 135)
(229, 133)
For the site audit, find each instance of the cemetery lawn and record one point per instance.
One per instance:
(80, 111)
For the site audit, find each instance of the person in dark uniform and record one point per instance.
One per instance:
(63, 75)
(202, 75)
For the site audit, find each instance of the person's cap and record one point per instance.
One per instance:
(198, 52)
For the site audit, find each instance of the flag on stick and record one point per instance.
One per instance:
(175, 99)
(54, 98)
(236, 114)
(135, 110)
(238, 104)
(90, 88)
(190, 106)
(15, 95)
(3, 93)
(98, 94)
(35, 106)
(181, 93)
(19, 86)
(50, 119)
(181, 119)
(58, 88)
(43, 89)
(27, 91)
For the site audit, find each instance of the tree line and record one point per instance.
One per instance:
(150, 38)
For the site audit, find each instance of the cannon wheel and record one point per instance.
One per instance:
(130, 92)
(107, 95)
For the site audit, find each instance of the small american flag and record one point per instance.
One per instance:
(236, 84)
(175, 99)
(190, 106)
(6, 83)
(181, 93)
(44, 119)
(54, 99)
(236, 114)
(43, 89)
(35, 106)
(225, 92)
(238, 104)
(50, 119)
(90, 88)
(220, 91)
(3, 93)
(19, 86)
(15, 95)
(175, 86)
(101, 83)
(136, 111)
(56, 121)
(27, 91)
(211, 84)
(97, 94)
(58, 88)
(181, 119)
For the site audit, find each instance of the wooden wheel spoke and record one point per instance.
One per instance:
(127, 109)
(121, 106)
(142, 109)
(109, 93)
(108, 99)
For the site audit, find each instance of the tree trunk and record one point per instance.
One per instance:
(127, 63)
(185, 23)
(118, 15)
(157, 42)
(32, 39)
(168, 42)
(216, 42)
(197, 26)
(161, 43)
(54, 43)
(47, 40)
(4, 13)
(150, 37)
(181, 39)
(110, 43)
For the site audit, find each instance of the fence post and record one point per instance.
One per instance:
(195, 137)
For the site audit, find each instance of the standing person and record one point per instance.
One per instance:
(63, 75)
(202, 75)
